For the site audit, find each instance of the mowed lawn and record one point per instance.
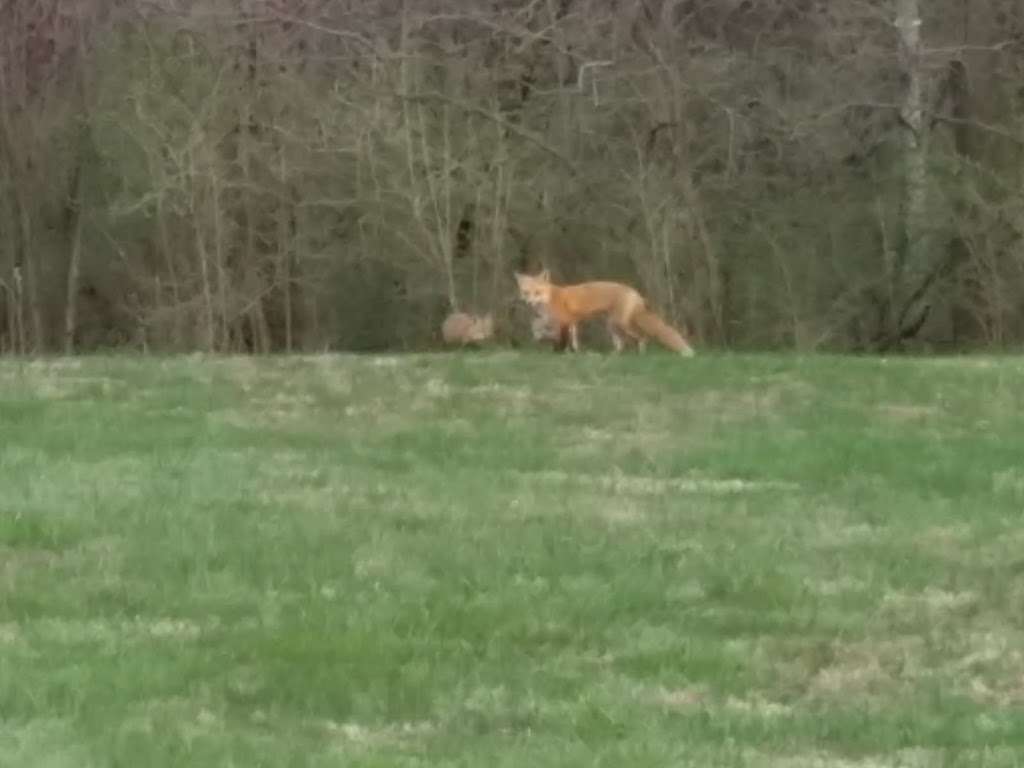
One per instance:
(512, 559)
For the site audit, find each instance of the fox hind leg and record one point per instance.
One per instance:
(638, 338)
(617, 336)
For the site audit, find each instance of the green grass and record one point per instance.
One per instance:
(503, 559)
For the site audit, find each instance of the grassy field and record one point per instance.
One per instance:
(503, 559)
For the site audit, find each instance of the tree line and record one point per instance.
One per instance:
(282, 175)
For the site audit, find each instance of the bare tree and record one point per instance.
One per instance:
(267, 176)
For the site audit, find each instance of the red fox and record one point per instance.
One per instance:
(462, 328)
(627, 312)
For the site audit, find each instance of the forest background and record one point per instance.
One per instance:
(284, 175)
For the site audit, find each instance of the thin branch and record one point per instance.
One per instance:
(954, 49)
(522, 133)
(995, 130)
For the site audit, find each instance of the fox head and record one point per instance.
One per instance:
(535, 290)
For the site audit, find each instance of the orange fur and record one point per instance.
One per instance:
(626, 310)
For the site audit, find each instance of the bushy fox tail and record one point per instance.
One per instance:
(652, 325)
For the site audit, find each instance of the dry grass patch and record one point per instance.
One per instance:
(288, 377)
(840, 586)
(618, 512)
(867, 669)
(700, 697)
(509, 398)
(384, 562)
(44, 384)
(287, 466)
(387, 361)
(20, 565)
(832, 532)
(991, 669)
(187, 718)
(122, 477)
(926, 607)
(906, 412)
(1009, 482)
(906, 758)
(109, 632)
(42, 743)
(948, 540)
(350, 736)
(979, 362)
(435, 387)
(10, 633)
(766, 399)
(287, 407)
(313, 499)
(756, 705)
(15, 559)
(99, 557)
(678, 698)
(641, 485)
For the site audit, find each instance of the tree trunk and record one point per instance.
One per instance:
(210, 331)
(910, 267)
(24, 271)
(74, 266)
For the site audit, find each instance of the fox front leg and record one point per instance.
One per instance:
(574, 338)
(563, 340)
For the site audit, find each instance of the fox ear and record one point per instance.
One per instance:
(545, 275)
